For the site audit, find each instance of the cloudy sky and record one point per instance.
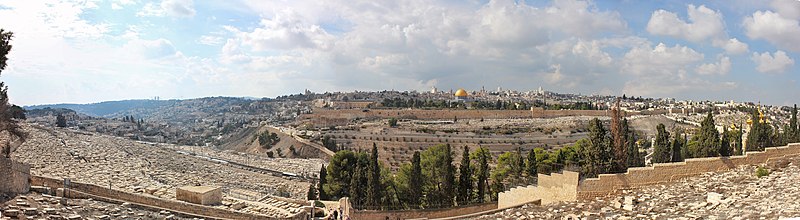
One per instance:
(90, 51)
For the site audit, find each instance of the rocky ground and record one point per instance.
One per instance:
(41, 206)
(735, 194)
(151, 169)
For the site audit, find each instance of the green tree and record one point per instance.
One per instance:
(341, 169)
(706, 141)
(482, 157)
(737, 142)
(464, 195)
(530, 167)
(323, 175)
(359, 182)
(416, 180)
(597, 155)
(312, 191)
(677, 145)
(392, 122)
(759, 136)
(619, 132)
(725, 148)
(374, 187)
(794, 131)
(661, 150)
(439, 177)
(634, 159)
(61, 121)
(519, 167)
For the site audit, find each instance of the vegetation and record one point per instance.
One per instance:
(761, 172)
(7, 122)
(267, 139)
(392, 122)
(329, 143)
(61, 121)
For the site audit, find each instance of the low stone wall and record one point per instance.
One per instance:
(551, 188)
(14, 176)
(607, 184)
(422, 213)
(93, 190)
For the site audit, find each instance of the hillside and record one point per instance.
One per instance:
(106, 109)
(247, 141)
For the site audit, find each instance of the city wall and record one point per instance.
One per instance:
(551, 188)
(82, 190)
(447, 114)
(14, 176)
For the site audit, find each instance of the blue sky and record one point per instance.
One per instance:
(90, 51)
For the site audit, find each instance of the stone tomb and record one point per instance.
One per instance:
(203, 195)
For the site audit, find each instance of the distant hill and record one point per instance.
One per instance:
(108, 109)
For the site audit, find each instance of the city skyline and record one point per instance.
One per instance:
(93, 51)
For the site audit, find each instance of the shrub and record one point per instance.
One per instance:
(761, 171)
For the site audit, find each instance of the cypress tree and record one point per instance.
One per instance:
(374, 183)
(661, 150)
(520, 166)
(415, 181)
(482, 155)
(356, 188)
(531, 164)
(323, 175)
(677, 145)
(597, 154)
(464, 195)
(794, 131)
(725, 144)
(312, 191)
(449, 178)
(738, 142)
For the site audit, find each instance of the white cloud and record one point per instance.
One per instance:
(704, 25)
(210, 40)
(661, 60)
(773, 27)
(767, 63)
(152, 49)
(719, 68)
(285, 31)
(733, 46)
(787, 8)
(174, 8)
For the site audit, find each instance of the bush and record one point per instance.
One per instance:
(761, 171)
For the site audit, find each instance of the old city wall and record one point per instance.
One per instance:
(607, 184)
(14, 176)
(422, 213)
(445, 114)
(102, 193)
(550, 188)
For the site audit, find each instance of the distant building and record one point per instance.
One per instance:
(461, 95)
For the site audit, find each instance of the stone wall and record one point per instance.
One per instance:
(14, 176)
(567, 187)
(448, 114)
(97, 192)
(551, 188)
(607, 184)
(422, 213)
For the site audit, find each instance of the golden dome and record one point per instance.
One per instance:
(461, 93)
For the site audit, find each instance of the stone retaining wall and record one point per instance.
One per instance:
(607, 184)
(551, 188)
(93, 190)
(422, 213)
(566, 187)
(14, 176)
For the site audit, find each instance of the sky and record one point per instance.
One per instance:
(90, 51)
